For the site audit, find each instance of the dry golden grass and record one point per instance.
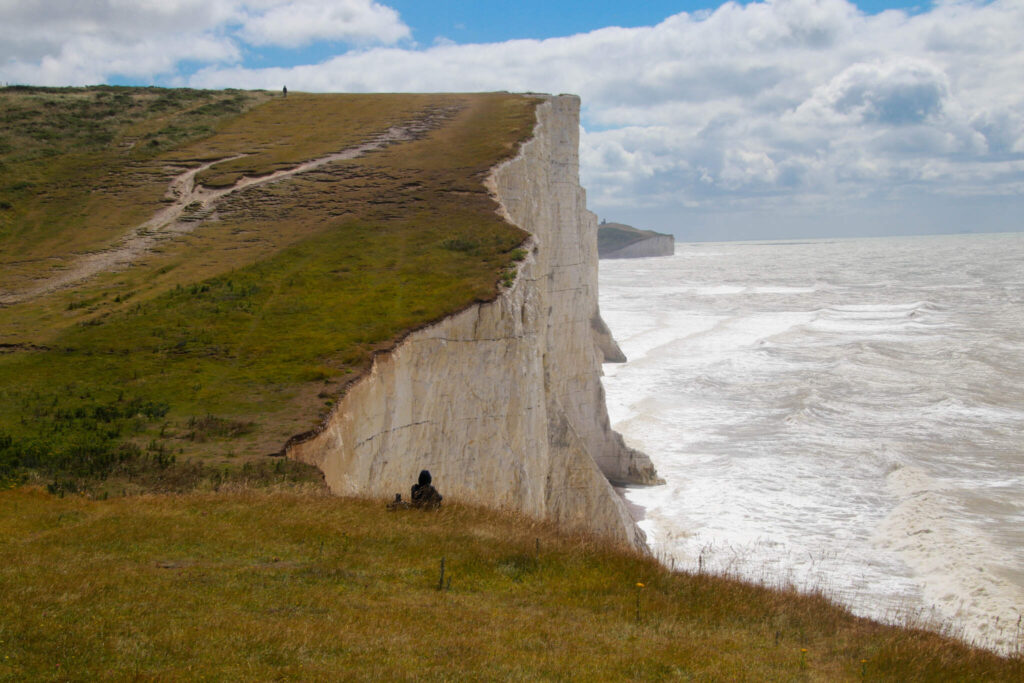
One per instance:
(262, 585)
(79, 166)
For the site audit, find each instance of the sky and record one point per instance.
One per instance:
(762, 120)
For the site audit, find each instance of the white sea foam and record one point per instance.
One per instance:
(958, 564)
(836, 415)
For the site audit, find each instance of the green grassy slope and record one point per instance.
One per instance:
(298, 586)
(225, 341)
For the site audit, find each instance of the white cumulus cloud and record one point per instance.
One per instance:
(301, 22)
(75, 42)
(889, 93)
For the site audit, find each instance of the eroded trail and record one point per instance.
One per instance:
(191, 203)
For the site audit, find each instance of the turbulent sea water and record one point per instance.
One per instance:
(839, 415)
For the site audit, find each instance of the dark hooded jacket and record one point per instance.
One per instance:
(424, 495)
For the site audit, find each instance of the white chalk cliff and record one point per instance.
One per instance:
(503, 402)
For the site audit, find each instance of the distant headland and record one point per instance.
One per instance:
(617, 240)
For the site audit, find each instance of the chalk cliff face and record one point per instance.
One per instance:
(503, 401)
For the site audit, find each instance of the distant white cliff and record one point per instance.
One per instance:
(617, 240)
(503, 402)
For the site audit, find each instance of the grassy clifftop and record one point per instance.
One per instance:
(224, 333)
(247, 585)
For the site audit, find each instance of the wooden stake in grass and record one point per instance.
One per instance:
(440, 581)
(640, 588)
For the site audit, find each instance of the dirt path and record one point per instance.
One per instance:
(191, 204)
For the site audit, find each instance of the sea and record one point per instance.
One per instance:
(843, 416)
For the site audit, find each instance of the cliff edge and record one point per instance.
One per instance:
(503, 402)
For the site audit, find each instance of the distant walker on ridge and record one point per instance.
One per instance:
(424, 495)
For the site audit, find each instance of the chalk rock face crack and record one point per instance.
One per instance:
(502, 402)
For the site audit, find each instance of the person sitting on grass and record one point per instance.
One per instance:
(424, 495)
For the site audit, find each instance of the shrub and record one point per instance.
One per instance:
(462, 244)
